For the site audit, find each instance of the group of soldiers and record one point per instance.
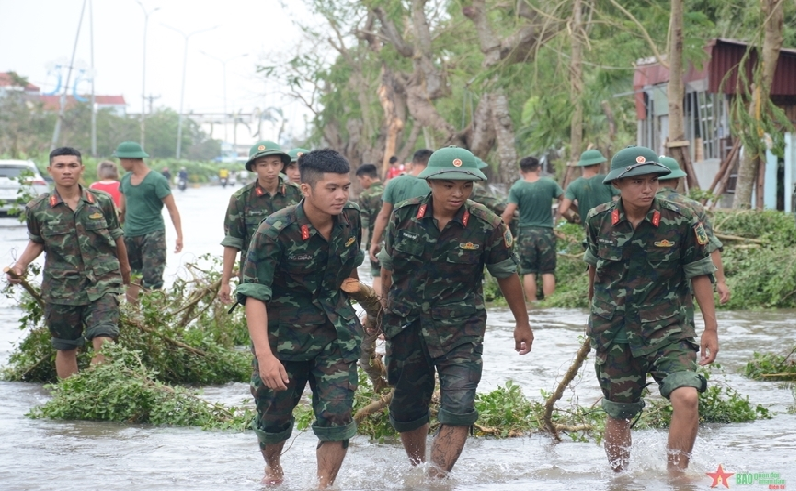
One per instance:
(649, 252)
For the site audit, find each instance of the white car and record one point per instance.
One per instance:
(10, 185)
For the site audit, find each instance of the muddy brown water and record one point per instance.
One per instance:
(58, 455)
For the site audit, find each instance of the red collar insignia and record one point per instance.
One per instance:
(615, 216)
(656, 218)
(305, 232)
(465, 218)
(258, 190)
(89, 197)
(53, 200)
(421, 212)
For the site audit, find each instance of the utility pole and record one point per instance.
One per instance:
(143, 71)
(151, 99)
(93, 76)
(59, 121)
(187, 37)
(224, 80)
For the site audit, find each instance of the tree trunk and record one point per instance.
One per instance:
(576, 92)
(392, 123)
(508, 169)
(748, 170)
(678, 147)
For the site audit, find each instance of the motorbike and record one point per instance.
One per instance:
(224, 182)
(182, 184)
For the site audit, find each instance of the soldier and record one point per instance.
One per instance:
(302, 326)
(291, 170)
(144, 192)
(668, 190)
(85, 262)
(398, 189)
(252, 204)
(588, 190)
(435, 251)
(482, 195)
(370, 203)
(642, 251)
(537, 243)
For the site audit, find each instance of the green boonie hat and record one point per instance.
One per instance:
(673, 166)
(263, 149)
(452, 164)
(481, 164)
(635, 161)
(590, 157)
(129, 150)
(296, 153)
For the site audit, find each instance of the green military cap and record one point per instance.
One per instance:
(263, 149)
(296, 153)
(673, 166)
(590, 157)
(129, 150)
(452, 164)
(481, 164)
(635, 161)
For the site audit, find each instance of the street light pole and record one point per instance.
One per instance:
(187, 37)
(143, 71)
(224, 81)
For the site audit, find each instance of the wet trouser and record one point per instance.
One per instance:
(333, 383)
(71, 325)
(410, 370)
(623, 377)
(147, 256)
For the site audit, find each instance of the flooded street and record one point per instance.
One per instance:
(54, 455)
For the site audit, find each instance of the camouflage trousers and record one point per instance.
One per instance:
(147, 255)
(410, 369)
(71, 325)
(536, 247)
(623, 377)
(333, 383)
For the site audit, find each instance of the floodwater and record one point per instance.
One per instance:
(56, 455)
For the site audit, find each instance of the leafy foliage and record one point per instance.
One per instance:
(771, 367)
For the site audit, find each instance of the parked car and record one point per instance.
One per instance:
(10, 183)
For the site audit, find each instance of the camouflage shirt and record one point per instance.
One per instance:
(81, 263)
(370, 203)
(699, 210)
(641, 288)
(437, 274)
(249, 206)
(297, 273)
(482, 195)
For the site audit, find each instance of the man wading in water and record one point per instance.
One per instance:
(435, 251)
(303, 328)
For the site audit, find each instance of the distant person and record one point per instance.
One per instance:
(182, 179)
(223, 177)
(534, 197)
(167, 174)
(144, 193)
(291, 170)
(588, 190)
(396, 191)
(108, 173)
(80, 290)
(370, 203)
(396, 169)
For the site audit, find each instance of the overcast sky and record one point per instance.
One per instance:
(36, 33)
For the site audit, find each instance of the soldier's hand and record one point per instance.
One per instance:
(14, 271)
(374, 249)
(523, 338)
(723, 291)
(273, 373)
(223, 293)
(126, 274)
(179, 245)
(709, 347)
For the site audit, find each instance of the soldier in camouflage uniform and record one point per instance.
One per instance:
(435, 251)
(668, 190)
(291, 170)
(302, 326)
(370, 203)
(85, 264)
(642, 251)
(252, 204)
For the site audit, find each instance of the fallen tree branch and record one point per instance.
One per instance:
(140, 325)
(27, 286)
(739, 238)
(549, 404)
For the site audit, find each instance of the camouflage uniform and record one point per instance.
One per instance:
(370, 203)
(81, 268)
(436, 316)
(249, 206)
(312, 328)
(642, 311)
(537, 248)
(147, 256)
(699, 210)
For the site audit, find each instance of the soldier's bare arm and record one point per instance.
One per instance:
(512, 290)
(227, 265)
(122, 207)
(20, 268)
(378, 230)
(721, 280)
(508, 213)
(124, 262)
(175, 219)
(563, 207)
(271, 370)
(703, 292)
